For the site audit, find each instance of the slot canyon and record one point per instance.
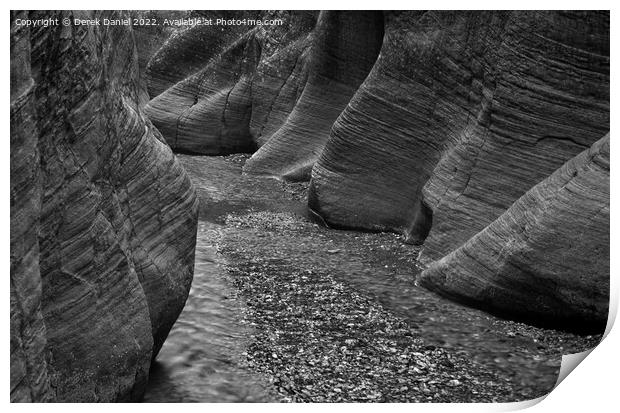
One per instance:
(392, 206)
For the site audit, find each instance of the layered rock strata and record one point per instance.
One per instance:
(103, 217)
(29, 376)
(280, 86)
(344, 47)
(547, 257)
(206, 106)
(150, 34)
(462, 113)
(187, 49)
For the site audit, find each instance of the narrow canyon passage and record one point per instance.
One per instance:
(284, 309)
(138, 274)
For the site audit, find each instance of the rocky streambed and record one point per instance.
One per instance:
(285, 309)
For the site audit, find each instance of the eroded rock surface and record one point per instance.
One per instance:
(547, 257)
(462, 113)
(435, 136)
(205, 105)
(189, 48)
(439, 149)
(278, 87)
(343, 50)
(29, 377)
(103, 218)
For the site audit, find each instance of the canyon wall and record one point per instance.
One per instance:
(462, 113)
(342, 51)
(204, 82)
(103, 217)
(29, 376)
(278, 88)
(547, 257)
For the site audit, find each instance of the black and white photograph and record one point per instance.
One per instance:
(306, 206)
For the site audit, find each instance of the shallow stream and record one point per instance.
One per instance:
(271, 287)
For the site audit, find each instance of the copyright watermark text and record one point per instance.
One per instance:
(180, 22)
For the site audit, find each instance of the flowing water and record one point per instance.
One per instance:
(203, 361)
(205, 358)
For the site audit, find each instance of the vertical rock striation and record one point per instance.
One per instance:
(547, 257)
(115, 212)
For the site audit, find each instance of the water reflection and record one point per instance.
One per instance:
(203, 359)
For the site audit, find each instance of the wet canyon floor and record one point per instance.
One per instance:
(285, 310)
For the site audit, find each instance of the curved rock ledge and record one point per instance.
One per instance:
(103, 218)
(205, 105)
(545, 259)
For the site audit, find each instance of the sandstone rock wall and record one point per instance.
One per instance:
(210, 85)
(279, 88)
(463, 113)
(103, 218)
(29, 377)
(547, 257)
(343, 49)
(150, 37)
(435, 136)
(188, 49)
(209, 111)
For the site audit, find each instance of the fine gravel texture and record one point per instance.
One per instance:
(336, 315)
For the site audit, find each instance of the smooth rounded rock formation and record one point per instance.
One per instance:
(546, 259)
(462, 113)
(186, 49)
(343, 50)
(278, 88)
(210, 111)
